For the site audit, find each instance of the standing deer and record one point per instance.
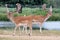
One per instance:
(28, 19)
(19, 19)
(41, 19)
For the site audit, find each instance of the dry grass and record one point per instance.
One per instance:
(9, 31)
(10, 37)
(6, 34)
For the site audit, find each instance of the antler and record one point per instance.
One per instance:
(50, 9)
(44, 6)
(7, 8)
(18, 8)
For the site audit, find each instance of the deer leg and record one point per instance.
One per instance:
(15, 30)
(23, 28)
(26, 29)
(40, 28)
(19, 31)
(30, 29)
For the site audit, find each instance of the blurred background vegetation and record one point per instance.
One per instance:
(54, 3)
(30, 7)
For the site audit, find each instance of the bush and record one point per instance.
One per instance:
(56, 10)
(3, 17)
(30, 11)
(54, 18)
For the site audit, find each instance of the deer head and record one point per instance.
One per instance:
(50, 11)
(9, 14)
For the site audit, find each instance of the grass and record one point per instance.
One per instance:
(25, 11)
(9, 31)
(36, 35)
(12, 38)
(31, 11)
(8, 39)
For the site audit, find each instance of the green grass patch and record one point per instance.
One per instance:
(30, 11)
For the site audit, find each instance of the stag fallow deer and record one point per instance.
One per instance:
(41, 19)
(28, 19)
(19, 19)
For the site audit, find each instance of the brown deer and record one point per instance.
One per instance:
(19, 19)
(42, 19)
(28, 19)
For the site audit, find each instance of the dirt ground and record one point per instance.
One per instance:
(36, 35)
(31, 37)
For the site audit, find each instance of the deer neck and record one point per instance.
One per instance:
(7, 9)
(47, 16)
(49, 13)
(9, 14)
(11, 17)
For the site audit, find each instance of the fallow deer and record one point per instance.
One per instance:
(41, 19)
(19, 19)
(28, 19)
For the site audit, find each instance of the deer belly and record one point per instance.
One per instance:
(22, 24)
